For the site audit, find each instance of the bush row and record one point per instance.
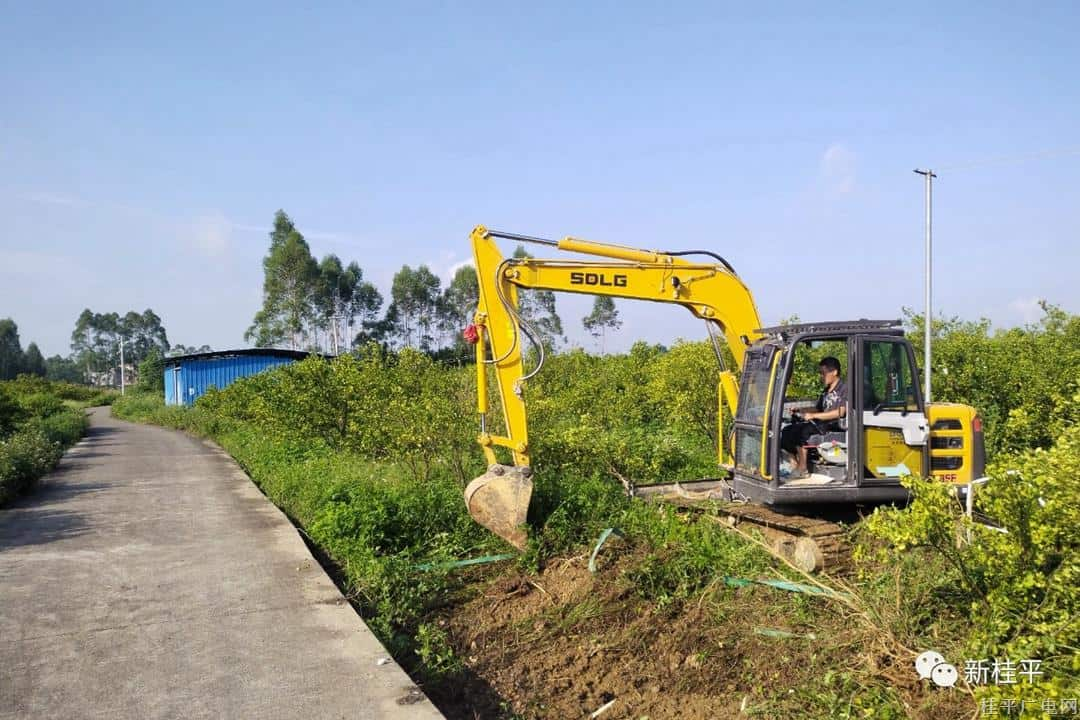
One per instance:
(35, 427)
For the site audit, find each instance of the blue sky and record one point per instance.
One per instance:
(145, 147)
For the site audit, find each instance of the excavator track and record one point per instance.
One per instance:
(812, 544)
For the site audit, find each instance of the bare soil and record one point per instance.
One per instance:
(564, 643)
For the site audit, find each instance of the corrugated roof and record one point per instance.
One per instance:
(263, 352)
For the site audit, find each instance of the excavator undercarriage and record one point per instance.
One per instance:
(810, 542)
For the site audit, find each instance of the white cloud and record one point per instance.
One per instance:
(210, 235)
(1028, 309)
(838, 169)
(251, 228)
(448, 275)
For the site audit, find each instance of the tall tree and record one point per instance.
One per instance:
(143, 333)
(11, 353)
(290, 275)
(332, 291)
(343, 295)
(603, 317)
(461, 297)
(33, 361)
(106, 333)
(364, 314)
(415, 306)
(537, 307)
(95, 341)
(458, 306)
(82, 341)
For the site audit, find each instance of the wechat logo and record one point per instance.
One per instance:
(932, 666)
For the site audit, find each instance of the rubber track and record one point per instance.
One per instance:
(829, 536)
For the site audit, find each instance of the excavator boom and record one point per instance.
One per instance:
(710, 291)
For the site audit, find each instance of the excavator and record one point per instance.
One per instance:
(887, 430)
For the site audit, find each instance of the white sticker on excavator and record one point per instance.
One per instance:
(893, 471)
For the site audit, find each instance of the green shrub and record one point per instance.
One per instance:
(24, 457)
(64, 427)
(27, 385)
(12, 413)
(41, 404)
(1018, 379)
(152, 373)
(101, 397)
(1020, 588)
(35, 427)
(137, 406)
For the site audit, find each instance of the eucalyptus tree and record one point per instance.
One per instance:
(415, 307)
(33, 361)
(290, 277)
(364, 323)
(604, 317)
(333, 290)
(461, 297)
(95, 341)
(11, 353)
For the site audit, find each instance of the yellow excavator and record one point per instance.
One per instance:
(887, 431)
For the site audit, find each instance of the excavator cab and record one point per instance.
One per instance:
(882, 436)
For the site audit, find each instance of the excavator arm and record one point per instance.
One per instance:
(710, 291)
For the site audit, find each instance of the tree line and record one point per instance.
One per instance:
(13, 359)
(95, 348)
(329, 306)
(324, 305)
(95, 341)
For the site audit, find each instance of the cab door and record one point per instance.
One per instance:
(894, 430)
(752, 433)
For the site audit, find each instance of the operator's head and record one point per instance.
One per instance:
(829, 367)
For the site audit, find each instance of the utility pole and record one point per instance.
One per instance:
(929, 176)
(121, 364)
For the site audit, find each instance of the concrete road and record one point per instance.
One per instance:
(147, 577)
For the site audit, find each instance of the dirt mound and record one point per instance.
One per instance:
(566, 643)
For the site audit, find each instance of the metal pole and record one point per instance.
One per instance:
(121, 364)
(928, 318)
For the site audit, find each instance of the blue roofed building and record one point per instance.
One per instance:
(188, 377)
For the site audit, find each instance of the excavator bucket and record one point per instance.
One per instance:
(499, 500)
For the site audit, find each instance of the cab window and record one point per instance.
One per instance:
(888, 377)
(754, 393)
(804, 385)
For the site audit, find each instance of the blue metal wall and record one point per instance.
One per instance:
(170, 386)
(197, 375)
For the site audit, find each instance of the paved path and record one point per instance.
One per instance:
(149, 578)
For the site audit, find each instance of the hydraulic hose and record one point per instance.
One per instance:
(709, 253)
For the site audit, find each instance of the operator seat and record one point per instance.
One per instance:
(838, 436)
